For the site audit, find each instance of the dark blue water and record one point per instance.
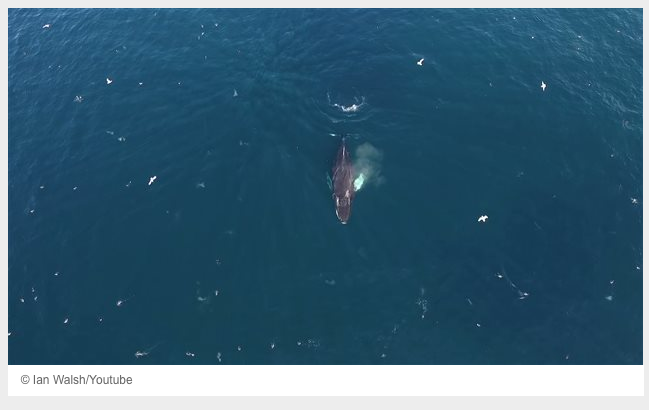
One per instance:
(234, 253)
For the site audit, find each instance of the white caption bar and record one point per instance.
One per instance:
(325, 380)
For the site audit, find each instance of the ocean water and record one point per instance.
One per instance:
(234, 255)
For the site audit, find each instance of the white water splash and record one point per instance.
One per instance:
(355, 107)
(367, 166)
(351, 108)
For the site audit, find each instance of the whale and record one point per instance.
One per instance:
(343, 183)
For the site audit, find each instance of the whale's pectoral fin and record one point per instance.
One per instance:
(329, 182)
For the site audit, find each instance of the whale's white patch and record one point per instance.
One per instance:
(358, 182)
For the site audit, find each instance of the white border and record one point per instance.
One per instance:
(329, 380)
(325, 4)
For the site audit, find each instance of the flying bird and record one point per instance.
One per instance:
(543, 85)
(483, 218)
(152, 179)
(108, 81)
(420, 62)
